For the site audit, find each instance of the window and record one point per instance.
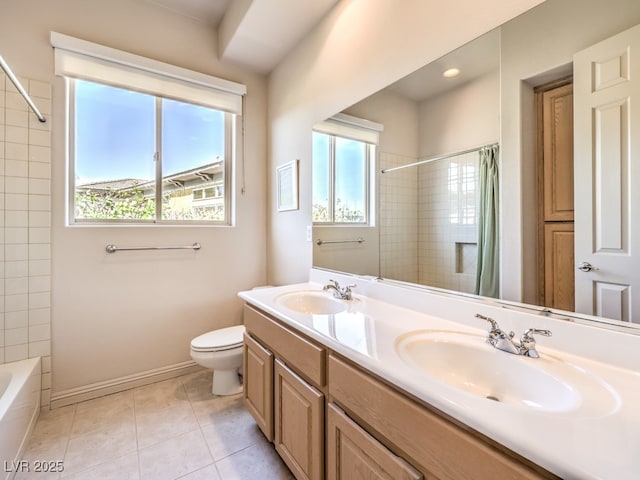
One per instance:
(122, 141)
(148, 142)
(343, 159)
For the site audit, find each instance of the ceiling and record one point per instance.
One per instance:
(254, 33)
(475, 59)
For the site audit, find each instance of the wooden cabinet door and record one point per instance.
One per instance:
(559, 265)
(558, 153)
(353, 454)
(258, 384)
(299, 424)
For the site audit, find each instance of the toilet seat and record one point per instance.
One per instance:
(219, 340)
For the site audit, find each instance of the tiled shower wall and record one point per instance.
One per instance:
(25, 227)
(398, 219)
(428, 221)
(448, 196)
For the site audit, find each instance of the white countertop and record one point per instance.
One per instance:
(594, 441)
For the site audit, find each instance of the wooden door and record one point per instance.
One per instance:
(299, 424)
(555, 194)
(353, 454)
(258, 384)
(607, 165)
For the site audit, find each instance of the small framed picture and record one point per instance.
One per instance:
(287, 176)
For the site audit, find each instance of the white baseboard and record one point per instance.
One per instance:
(99, 389)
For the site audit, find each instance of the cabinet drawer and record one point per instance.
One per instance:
(306, 358)
(431, 442)
(353, 453)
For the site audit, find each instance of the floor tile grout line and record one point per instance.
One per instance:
(135, 426)
(193, 410)
(66, 445)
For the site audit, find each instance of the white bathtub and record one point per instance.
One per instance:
(20, 384)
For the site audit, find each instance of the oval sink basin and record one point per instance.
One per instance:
(311, 302)
(466, 362)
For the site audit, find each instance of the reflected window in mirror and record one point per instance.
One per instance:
(340, 173)
(344, 152)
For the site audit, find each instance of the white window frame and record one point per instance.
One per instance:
(362, 130)
(79, 59)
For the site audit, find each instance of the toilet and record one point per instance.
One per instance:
(221, 350)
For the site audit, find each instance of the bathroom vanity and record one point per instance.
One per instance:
(367, 388)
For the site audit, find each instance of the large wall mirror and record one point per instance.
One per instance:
(513, 97)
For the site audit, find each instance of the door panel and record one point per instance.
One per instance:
(607, 157)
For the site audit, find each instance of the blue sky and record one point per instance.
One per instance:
(350, 184)
(115, 134)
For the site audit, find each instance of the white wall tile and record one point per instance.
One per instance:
(25, 232)
(40, 316)
(39, 170)
(39, 267)
(40, 203)
(16, 201)
(16, 286)
(16, 319)
(39, 284)
(41, 138)
(39, 219)
(16, 185)
(16, 168)
(39, 251)
(16, 336)
(15, 303)
(40, 349)
(46, 381)
(17, 118)
(38, 300)
(39, 333)
(40, 235)
(17, 269)
(39, 154)
(16, 353)
(16, 235)
(15, 151)
(46, 364)
(16, 218)
(12, 99)
(39, 186)
(16, 252)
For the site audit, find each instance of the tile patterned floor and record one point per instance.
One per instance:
(175, 429)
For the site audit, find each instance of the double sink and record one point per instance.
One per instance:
(465, 364)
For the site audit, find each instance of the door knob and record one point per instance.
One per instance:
(586, 267)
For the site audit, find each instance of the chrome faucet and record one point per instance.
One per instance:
(497, 338)
(339, 292)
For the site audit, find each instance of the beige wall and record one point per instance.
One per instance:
(466, 117)
(359, 48)
(131, 312)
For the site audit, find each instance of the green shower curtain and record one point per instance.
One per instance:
(487, 271)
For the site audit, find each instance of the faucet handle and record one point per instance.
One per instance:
(494, 325)
(528, 343)
(528, 335)
(335, 283)
(346, 292)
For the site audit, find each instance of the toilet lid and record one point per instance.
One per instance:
(216, 340)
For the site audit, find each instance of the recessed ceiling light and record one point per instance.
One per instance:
(451, 72)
